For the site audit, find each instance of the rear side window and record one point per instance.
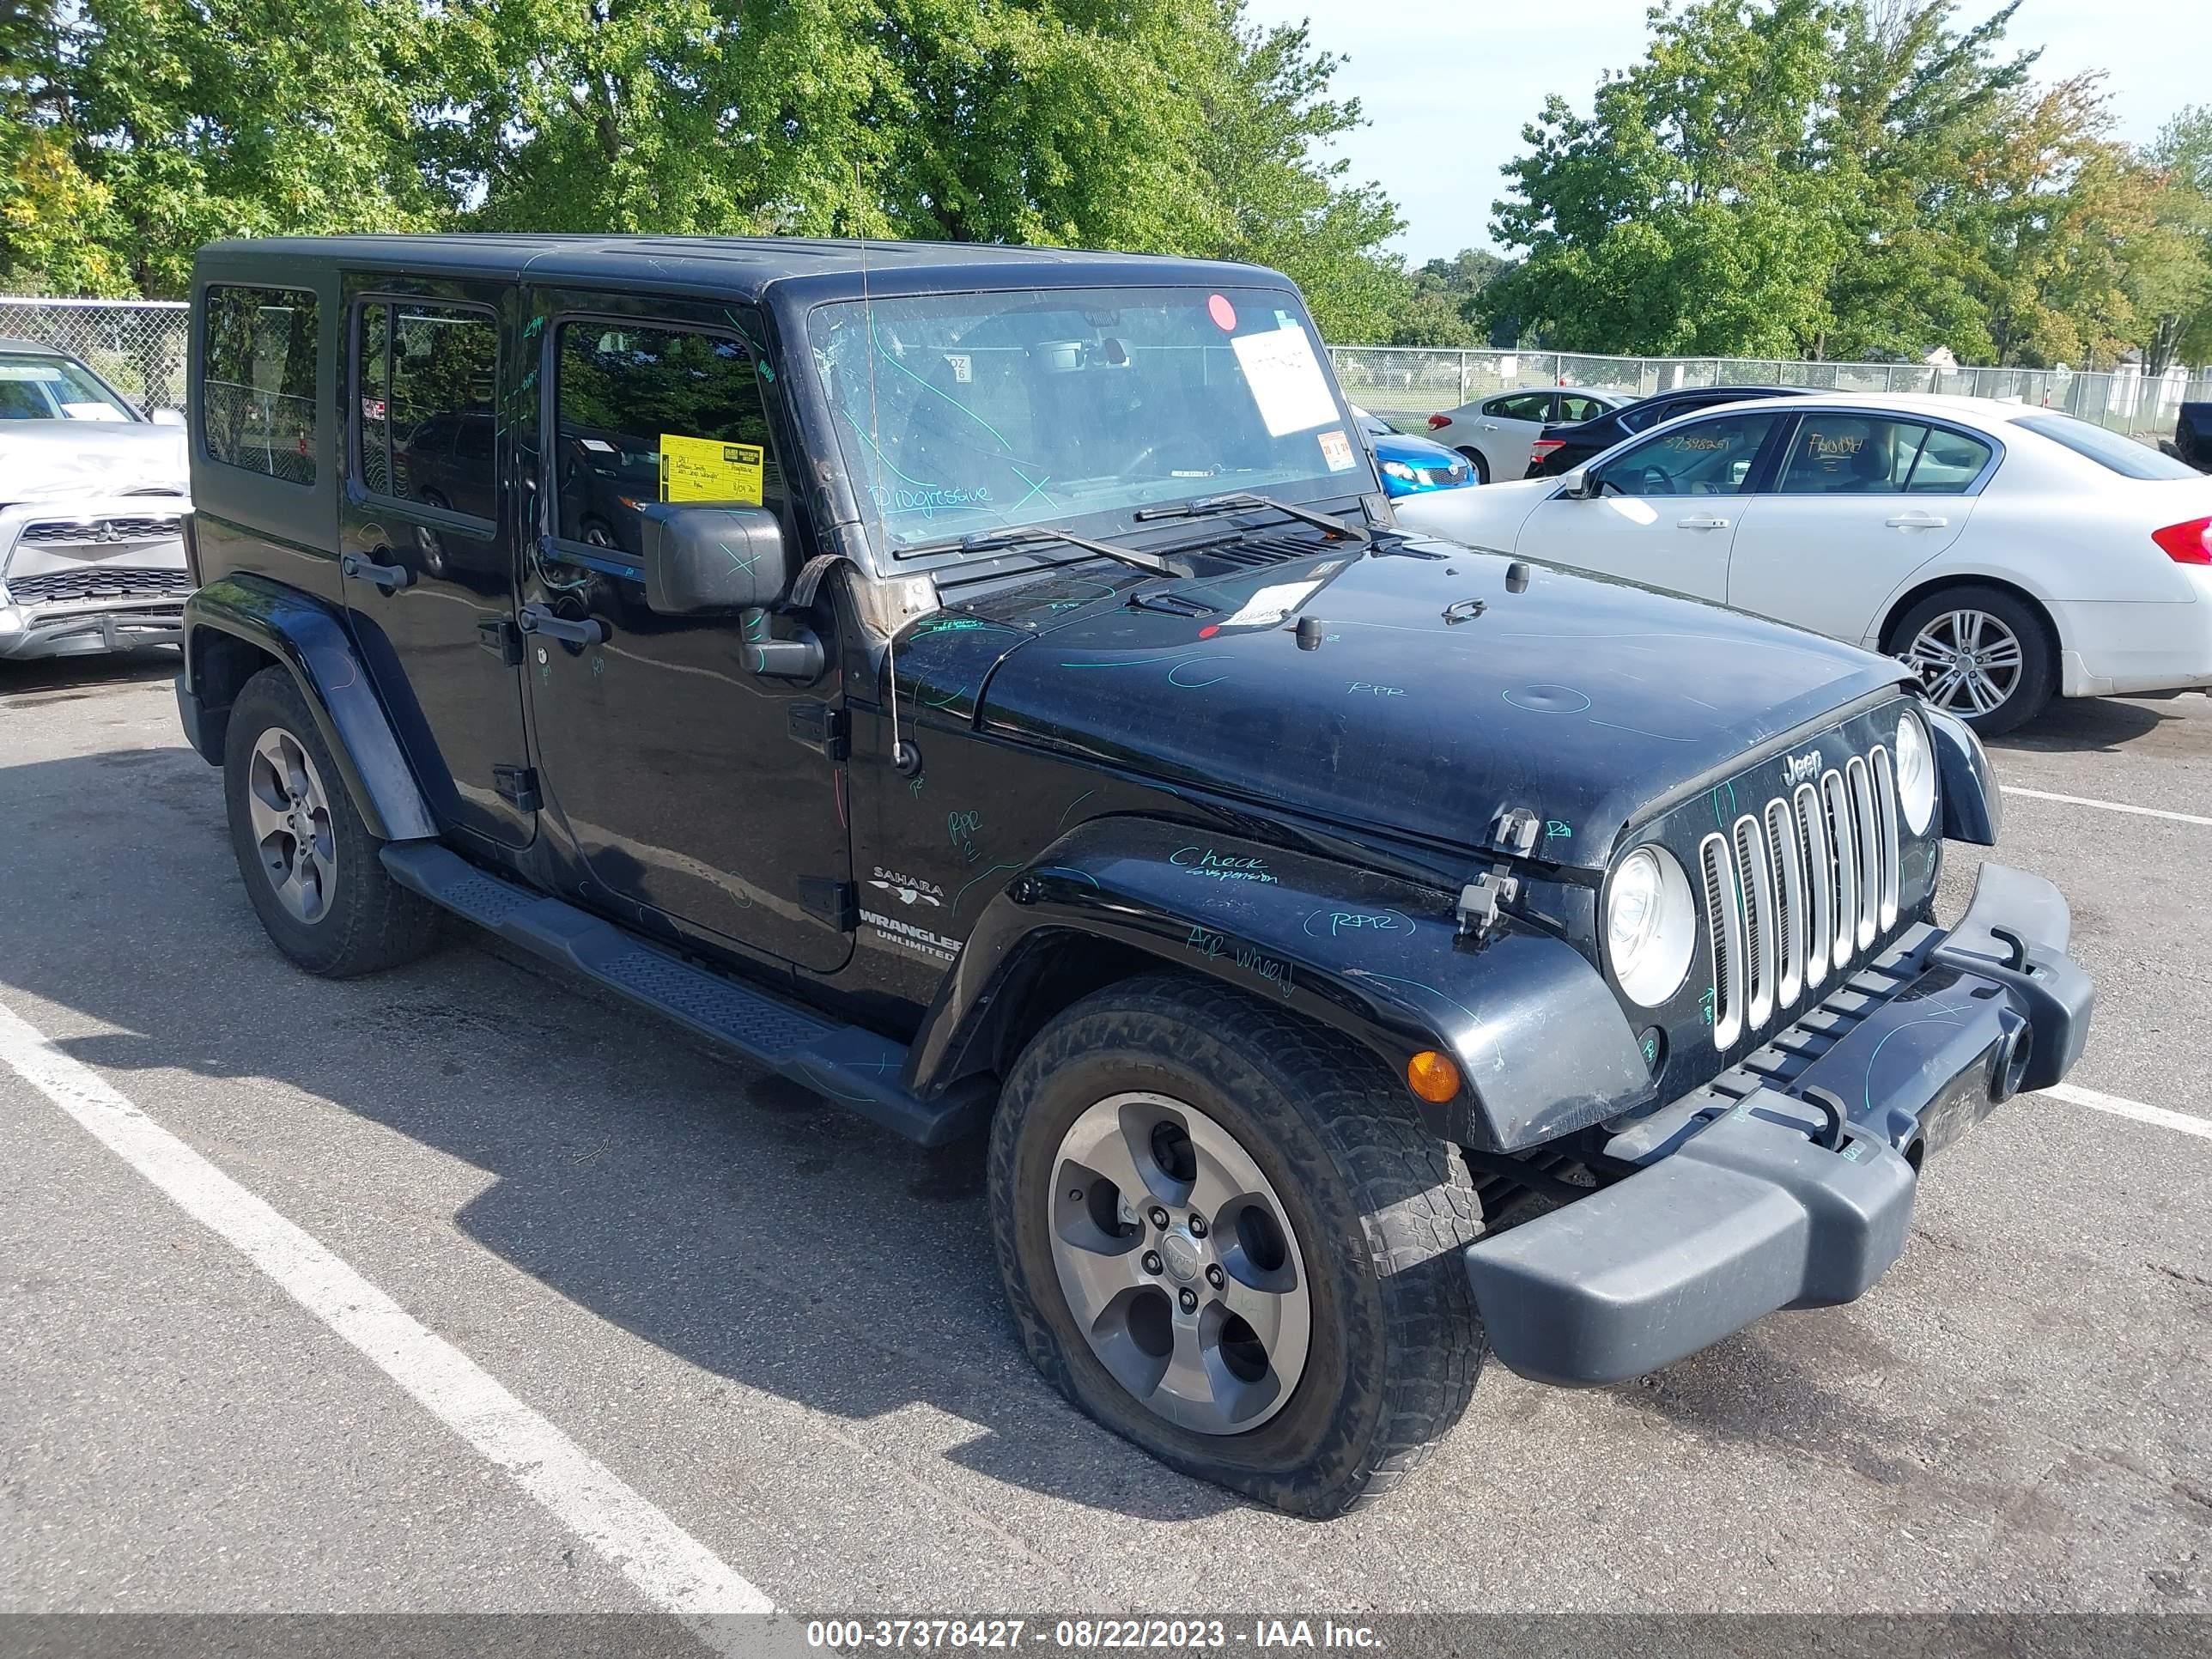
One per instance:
(428, 376)
(258, 406)
(1521, 406)
(1844, 454)
(1573, 408)
(647, 415)
(2108, 449)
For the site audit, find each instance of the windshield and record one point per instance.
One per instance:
(2120, 454)
(970, 412)
(41, 388)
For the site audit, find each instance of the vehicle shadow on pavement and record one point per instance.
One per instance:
(732, 1219)
(45, 678)
(2086, 725)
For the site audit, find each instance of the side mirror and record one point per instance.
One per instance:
(1575, 485)
(713, 558)
(168, 417)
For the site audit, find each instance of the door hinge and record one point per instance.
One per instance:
(500, 636)
(820, 727)
(831, 900)
(517, 787)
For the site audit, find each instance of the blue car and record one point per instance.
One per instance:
(1410, 465)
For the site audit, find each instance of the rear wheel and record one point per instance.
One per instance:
(310, 865)
(1225, 1237)
(1982, 653)
(1481, 465)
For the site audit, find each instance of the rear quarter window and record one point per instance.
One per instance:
(258, 404)
(2108, 449)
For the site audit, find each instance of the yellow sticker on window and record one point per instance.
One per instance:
(709, 470)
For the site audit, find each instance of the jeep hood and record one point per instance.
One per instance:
(51, 460)
(1431, 699)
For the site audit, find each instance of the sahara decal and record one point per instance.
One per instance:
(910, 889)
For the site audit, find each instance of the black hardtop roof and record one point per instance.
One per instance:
(728, 267)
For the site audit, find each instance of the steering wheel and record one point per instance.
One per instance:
(1651, 481)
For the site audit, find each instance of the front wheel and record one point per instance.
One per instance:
(1982, 653)
(1480, 462)
(1225, 1237)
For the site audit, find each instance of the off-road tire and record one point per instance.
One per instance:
(371, 922)
(1382, 1209)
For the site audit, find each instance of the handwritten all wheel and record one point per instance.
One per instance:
(1226, 1236)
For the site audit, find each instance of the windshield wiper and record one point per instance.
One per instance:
(987, 541)
(1205, 506)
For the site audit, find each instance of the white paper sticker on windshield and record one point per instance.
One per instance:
(1336, 450)
(1285, 380)
(1270, 605)
(963, 366)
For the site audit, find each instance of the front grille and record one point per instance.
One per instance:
(1802, 885)
(100, 533)
(98, 582)
(1441, 474)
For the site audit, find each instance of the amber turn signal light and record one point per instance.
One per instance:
(1432, 1076)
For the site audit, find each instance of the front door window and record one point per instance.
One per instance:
(1700, 458)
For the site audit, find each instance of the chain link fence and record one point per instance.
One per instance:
(136, 345)
(139, 345)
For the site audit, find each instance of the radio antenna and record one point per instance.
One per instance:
(875, 472)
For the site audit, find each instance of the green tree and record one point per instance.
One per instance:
(2173, 287)
(1688, 213)
(1442, 300)
(1263, 117)
(1916, 103)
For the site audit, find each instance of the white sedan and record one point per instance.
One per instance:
(2009, 553)
(1497, 433)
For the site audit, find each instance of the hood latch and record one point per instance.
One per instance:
(1513, 832)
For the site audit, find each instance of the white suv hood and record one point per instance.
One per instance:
(47, 460)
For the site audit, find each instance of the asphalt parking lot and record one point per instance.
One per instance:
(781, 1330)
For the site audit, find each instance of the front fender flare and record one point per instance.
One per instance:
(307, 637)
(1973, 809)
(1537, 1034)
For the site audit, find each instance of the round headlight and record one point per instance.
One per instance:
(1915, 774)
(1651, 925)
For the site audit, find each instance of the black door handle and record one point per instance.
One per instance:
(536, 619)
(389, 577)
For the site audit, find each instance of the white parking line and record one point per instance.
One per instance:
(2200, 1126)
(670, 1567)
(2106, 806)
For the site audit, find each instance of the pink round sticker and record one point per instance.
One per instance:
(1224, 314)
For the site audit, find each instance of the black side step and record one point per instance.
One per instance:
(856, 1066)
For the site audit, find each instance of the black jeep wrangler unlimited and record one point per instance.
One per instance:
(986, 685)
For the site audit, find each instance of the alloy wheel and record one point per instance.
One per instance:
(292, 829)
(1969, 661)
(1179, 1263)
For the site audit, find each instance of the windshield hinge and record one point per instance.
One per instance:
(820, 727)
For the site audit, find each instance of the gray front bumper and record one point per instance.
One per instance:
(56, 631)
(1792, 1186)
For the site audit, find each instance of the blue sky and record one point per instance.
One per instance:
(1447, 84)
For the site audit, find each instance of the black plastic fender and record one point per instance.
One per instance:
(1537, 1036)
(1973, 811)
(307, 637)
